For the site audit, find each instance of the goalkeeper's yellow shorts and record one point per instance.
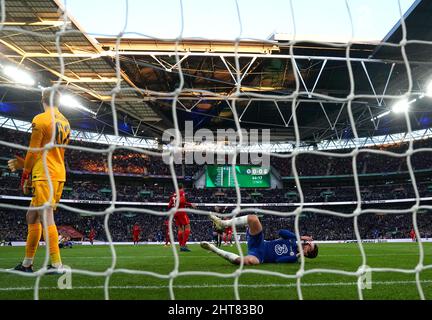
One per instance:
(41, 193)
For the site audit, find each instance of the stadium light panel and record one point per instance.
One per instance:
(71, 102)
(429, 89)
(401, 106)
(18, 75)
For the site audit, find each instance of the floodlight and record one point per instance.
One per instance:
(71, 102)
(18, 75)
(429, 89)
(401, 106)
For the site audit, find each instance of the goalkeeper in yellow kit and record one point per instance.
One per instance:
(44, 126)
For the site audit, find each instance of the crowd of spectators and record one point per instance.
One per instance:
(137, 191)
(125, 161)
(310, 164)
(83, 161)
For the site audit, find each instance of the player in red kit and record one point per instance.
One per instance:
(136, 230)
(228, 235)
(413, 235)
(167, 235)
(181, 218)
(92, 235)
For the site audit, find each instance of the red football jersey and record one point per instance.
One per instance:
(183, 203)
(136, 230)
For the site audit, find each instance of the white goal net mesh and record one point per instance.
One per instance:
(238, 209)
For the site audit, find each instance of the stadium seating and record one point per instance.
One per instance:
(96, 187)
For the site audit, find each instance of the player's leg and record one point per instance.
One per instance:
(255, 240)
(230, 256)
(252, 221)
(51, 234)
(50, 230)
(40, 195)
(167, 237)
(186, 233)
(184, 221)
(230, 237)
(34, 233)
(180, 230)
(254, 224)
(179, 225)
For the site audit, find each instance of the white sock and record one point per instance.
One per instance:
(27, 262)
(231, 257)
(240, 221)
(57, 265)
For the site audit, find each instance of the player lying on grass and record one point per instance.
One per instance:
(283, 250)
(65, 241)
(44, 126)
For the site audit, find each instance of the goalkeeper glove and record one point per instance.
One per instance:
(16, 164)
(26, 182)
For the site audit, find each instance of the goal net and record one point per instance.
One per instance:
(65, 44)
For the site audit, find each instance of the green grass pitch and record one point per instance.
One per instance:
(157, 258)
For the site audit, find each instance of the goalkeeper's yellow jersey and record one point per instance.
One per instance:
(42, 132)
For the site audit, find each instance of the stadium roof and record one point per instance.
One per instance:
(150, 74)
(87, 71)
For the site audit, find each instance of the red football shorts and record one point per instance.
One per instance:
(181, 219)
(135, 237)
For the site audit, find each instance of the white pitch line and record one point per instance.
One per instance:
(216, 286)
